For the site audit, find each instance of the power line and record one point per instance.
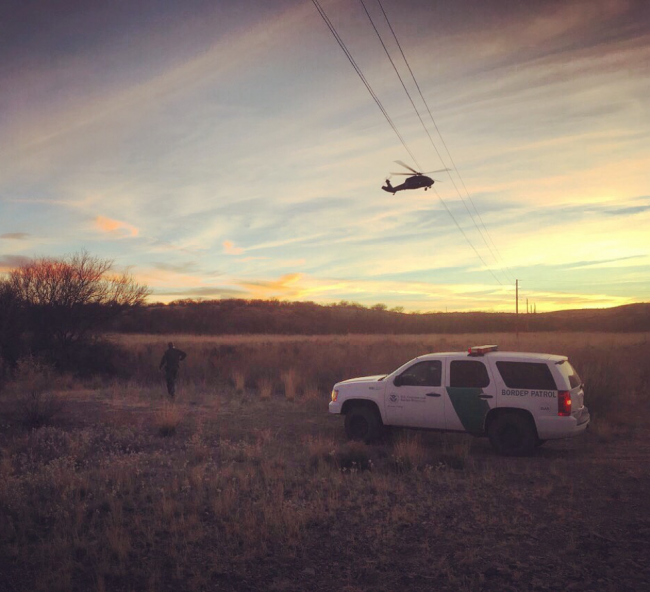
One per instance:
(465, 235)
(443, 143)
(390, 121)
(408, 94)
(363, 78)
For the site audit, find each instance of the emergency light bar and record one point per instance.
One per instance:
(481, 350)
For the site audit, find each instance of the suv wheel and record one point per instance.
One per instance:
(362, 423)
(512, 434)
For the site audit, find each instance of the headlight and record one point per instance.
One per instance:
(335, 395)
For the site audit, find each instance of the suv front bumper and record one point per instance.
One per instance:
(335, 407)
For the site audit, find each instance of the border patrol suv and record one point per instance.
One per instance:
(519, 400)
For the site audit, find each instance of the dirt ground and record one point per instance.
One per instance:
(250, 494)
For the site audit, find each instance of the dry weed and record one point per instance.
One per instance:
(239, 380)
(290, 380)
(408, 453)
(310, 392)
(265, 387)
(167, 419)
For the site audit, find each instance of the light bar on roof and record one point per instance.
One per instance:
(481, 350)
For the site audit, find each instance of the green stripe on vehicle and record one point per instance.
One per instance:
(470, 409)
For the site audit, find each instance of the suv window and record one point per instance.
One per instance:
(570, 374)
(527, 375)
(423, 374)
(468, 373)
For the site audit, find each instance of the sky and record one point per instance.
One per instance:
(230, 150)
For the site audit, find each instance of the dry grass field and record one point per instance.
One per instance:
(246, 482)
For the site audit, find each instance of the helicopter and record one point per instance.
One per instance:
(416, 179)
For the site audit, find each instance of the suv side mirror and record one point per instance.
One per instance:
(398, 381)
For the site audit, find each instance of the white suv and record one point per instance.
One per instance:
(519, 400)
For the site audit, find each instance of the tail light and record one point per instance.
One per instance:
(564, 403)
(335, 395)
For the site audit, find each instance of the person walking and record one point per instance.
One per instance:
(171, 361)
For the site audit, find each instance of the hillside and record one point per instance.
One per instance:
(232, 316)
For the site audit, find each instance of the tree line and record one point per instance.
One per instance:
(237, 316)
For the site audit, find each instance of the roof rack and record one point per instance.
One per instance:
(481, 350)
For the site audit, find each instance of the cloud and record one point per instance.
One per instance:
(230, 248)
(9, 262)
(202, 292)
(116, 227)
(176, 267)
(287, 286)
(15, 235)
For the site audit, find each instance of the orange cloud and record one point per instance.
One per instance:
(287, 286)
(230, 248)
(116, 227)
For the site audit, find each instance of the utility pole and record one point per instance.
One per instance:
(526, 305)
(517, 308)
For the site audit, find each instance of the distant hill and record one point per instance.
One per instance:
(233, 316)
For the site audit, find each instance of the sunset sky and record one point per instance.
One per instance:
(228, 149)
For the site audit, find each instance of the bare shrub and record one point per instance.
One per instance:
(265, 387)
(239, 380)
(71, 297)
(167, 419)
(409, 453)
(36, 402)
(290, 381)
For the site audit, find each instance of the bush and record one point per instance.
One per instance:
(37, 404)
(97, 357)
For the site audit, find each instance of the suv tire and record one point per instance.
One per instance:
(512, 434)
(363, 423)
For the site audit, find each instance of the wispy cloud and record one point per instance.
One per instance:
(15, 235)
(9, 262)
(168, 294)
(230, 249)
(287, 286)
(117, 228)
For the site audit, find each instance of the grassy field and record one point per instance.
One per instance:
(246, 483)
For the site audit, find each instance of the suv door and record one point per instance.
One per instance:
(415, 396)
(470, 391)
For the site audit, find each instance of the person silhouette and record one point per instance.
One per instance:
(171, 361)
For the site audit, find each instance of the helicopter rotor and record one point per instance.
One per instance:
(414, 172)
(399, 162)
